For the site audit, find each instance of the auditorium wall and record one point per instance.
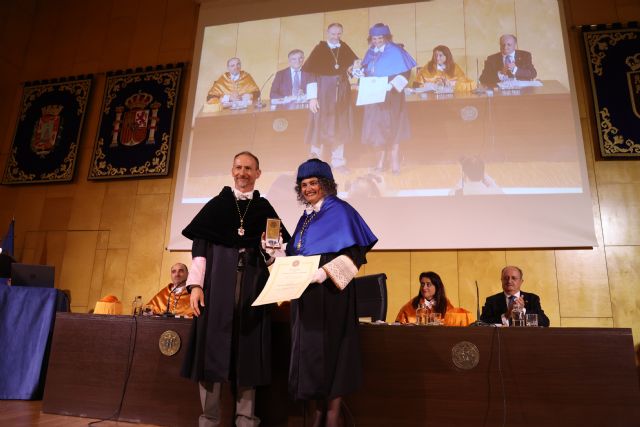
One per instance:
(110, 237)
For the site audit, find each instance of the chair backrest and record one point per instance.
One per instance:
(371, 296)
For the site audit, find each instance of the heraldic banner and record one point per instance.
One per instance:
(613, 56)
(45, 144)
(136, 124)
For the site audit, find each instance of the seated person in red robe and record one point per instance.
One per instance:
(175, 294)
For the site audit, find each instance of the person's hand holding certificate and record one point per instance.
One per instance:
(289, 277)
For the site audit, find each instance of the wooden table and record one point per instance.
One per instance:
(524, 376)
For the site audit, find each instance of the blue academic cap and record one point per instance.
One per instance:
(379, 30)
(314, 168)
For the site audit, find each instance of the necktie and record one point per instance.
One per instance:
(512, 298)
(296, 82)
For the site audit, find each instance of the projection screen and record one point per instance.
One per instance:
(483, 166)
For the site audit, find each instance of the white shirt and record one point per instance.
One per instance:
(293, 74)
(293, 77)
(505, 321)
(314, 208)
(379, 49)
(243, 196)
(512, 58)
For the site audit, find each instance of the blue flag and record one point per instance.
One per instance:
(7, 241)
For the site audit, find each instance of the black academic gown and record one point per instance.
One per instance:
(332, 124)
(325, 350)
(229, 341)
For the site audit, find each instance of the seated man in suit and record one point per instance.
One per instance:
(291, 81)
(509, 63)
(175, 294)
(497, 308)
(234, 85)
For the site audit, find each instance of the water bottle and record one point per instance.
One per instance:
(421, 314)
(136, 306)
(517, 316)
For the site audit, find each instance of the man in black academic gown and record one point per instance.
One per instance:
(330, 120)
(230, 340)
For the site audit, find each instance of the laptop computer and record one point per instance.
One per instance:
(32, 275)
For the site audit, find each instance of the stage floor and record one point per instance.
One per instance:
(28, 413)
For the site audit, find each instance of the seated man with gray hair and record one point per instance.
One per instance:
(497, 308)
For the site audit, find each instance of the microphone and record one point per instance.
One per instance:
(478, 322)
(479, 88)
(167, 312)
(259, 103)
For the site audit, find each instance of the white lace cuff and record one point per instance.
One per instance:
(341, 271)
(196, 271)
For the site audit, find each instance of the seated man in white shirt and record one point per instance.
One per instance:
(497, 308)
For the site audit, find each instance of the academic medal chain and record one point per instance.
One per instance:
(335, 57)
(242, 215)
(305, 224)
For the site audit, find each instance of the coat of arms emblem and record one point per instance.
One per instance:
(633, 78)
(139, 122)
(47, 130)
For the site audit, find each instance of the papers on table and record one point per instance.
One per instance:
(372, 90)
(288, 100)
(289, 277)
(517, 84)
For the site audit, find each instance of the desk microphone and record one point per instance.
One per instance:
(478, 322)
(167, 312)
(479, 87)
(259, 103)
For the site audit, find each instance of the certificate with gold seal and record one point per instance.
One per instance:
(289, 277)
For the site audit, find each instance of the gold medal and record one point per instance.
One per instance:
(335, 57)
(242, 215)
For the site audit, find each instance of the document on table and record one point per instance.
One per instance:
(372, 90)
(289, 277)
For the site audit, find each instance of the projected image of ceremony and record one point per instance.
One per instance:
(430, 117)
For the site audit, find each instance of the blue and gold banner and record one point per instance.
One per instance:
(613, 56)
(45, 144)
(136, 124)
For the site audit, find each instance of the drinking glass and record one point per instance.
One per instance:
(435, 319)
(532, 320)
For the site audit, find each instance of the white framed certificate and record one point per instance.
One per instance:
(289, 277)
